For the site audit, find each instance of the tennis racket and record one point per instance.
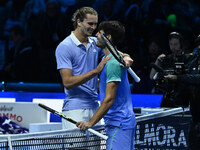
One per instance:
(71, 120)
(118, 57)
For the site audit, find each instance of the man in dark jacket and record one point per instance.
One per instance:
(193, 82)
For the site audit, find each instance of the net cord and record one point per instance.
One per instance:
(163, 113)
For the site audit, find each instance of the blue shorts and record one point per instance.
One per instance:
(120, 139)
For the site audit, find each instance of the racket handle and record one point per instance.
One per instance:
(135, 77)
(98, 134)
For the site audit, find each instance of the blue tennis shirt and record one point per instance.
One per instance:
(72, 54)
(121, 112)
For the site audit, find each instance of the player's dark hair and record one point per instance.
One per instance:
(115, 29)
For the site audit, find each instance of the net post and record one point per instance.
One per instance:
(9, 143)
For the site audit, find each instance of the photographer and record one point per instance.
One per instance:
(193, 82)
(172, 93)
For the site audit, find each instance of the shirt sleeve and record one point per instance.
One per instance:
(63, 57)
(113, 71)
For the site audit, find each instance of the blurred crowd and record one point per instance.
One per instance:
(30, 30)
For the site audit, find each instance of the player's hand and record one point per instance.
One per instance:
(102, 64)
(171, 77)
(128, 61)
(83, 125)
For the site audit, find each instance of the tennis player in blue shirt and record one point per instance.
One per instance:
(116, 103)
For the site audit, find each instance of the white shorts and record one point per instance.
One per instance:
(78, 115)
(81, 115)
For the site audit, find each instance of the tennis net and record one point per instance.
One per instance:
(166, 130)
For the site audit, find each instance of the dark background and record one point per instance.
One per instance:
(45, 23)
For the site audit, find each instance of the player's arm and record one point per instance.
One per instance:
(70, 81)
(111, 89)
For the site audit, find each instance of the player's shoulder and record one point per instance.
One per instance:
(67, 42)
(113, 68)
(64, 47)
(113, 62)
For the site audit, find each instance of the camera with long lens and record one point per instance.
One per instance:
(162, 84)
(186, 64)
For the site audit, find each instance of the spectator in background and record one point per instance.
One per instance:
(173, 95)
(52, 26)
(15, 13)
(145, 86)
(184, 14)
(110, 9)
(20, 59)
(157, 22)
(132, 18)
(47, 29)
(32, 8)
(193, 82)
(3, 18)
(157, 16)
(176, 47)
(154, 50)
